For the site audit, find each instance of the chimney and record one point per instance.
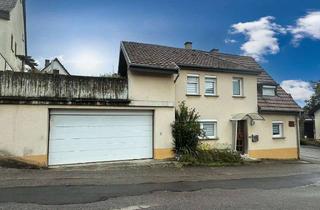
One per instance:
(214, 50)
(188, 45)
(47, 62)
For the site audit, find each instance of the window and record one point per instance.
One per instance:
(192, 85)
(210, 128)
(268, 90)
(237, 86)
(210, 85)
(277, 129)
(12, 49)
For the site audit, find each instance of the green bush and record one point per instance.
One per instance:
(186, 130)
(211, 157)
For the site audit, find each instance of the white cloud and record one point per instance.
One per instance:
(230, 41)
(306, 26)
(299, 90)
(260, 36)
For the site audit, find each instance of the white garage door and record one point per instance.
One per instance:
(93, 136)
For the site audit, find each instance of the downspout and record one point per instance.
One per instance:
(177, 77)
(298, 133)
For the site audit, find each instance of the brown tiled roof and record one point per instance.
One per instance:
(170, 58)
(163, 57)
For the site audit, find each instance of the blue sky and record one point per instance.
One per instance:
(85, 34)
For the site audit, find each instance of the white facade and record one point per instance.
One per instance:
(12, 39)
(55, 65)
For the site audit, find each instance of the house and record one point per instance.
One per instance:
(316, 113)
(56, 119)
(240, 105)
(13, 41)
(54, 67)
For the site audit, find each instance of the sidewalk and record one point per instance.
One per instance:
(147, 172)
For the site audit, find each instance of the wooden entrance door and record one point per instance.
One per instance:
(241, 145)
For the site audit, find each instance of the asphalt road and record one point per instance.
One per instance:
(292, 185)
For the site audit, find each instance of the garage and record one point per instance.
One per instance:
(94, 136)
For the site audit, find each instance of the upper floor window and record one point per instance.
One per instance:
(209, 128)
(277, 129)
(237, 86)
(268, 90)
(193, 84)
(210, 85)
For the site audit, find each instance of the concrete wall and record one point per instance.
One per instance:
(222, 106)
(317, 124)
(25, 128)
(15, 27)
(35, 87)
(269, 147)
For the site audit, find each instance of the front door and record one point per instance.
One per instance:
(242, 140)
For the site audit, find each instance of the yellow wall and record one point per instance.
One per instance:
(219, 108)
(273, 148)
(285, 153)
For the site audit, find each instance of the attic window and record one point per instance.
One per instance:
(268, 90)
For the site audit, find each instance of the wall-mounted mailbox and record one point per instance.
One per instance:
(255, 138)
(291, 124)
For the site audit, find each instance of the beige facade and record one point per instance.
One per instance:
(268, 146)
(12, 29)
(317, 124)
(222, 106)
(25, 130)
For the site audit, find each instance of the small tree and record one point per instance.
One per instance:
(315, 98)
(186, 130)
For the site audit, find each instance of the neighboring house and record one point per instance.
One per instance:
(13, 41)
(54, 67)
(56, 120)
(316, 113)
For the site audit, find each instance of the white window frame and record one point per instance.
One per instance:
(268, 87)
(281, 129)
(198, 84)
(241, 85)
(215, 129)
(214, 85)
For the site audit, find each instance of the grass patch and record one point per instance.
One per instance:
(211, 157)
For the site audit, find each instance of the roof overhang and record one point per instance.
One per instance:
(222, 70)
(4, 15)
(287, 111)
(152, 69)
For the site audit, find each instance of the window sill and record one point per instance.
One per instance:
(211, 95)
(238, 96)
(278, 138)
(193, 95)
(209, 139)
